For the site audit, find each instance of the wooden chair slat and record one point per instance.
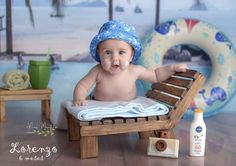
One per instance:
(141, 119)
(84, 123)
(163, 98)
(96, 122)
(107, 121)
(169, 89)
(163, 117)
(189, 74)
(118, 120)
(130, 120)
(179, 82)
(151, 118)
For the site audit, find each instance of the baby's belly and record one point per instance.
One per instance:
(115, 95)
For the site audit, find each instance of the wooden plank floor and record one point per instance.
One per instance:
(115, 150)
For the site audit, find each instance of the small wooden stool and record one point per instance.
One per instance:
(28, 94)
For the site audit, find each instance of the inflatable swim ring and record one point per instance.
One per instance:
(221, 85)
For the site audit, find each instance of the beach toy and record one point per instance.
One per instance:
(221, 85)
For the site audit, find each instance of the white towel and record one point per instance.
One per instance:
(97, 110)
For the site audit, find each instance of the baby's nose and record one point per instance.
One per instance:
(115, 57)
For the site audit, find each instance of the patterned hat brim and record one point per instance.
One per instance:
(127, 37)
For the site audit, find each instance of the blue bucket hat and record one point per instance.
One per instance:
(116, 30)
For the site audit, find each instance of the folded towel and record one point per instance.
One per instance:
(97, 110)
(16, 80)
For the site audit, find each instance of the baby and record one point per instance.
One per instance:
(116, 47)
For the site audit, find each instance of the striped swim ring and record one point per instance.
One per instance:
(221, 85)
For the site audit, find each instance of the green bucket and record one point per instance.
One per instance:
(39, 72)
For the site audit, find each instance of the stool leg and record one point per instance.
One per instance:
(46, 108)
(73, 128)
(2, 111)
(88, 147)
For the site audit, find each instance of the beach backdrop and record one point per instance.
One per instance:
(69, 33)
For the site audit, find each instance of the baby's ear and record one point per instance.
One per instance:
(133, 51)
(131, 59)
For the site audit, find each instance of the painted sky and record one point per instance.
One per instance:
(165, 4)
(183, 4)
(170, 4)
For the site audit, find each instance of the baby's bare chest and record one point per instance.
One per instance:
(117, 86)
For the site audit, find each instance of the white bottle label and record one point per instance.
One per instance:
(197, 139)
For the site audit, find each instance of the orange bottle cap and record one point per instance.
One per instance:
(198, 110)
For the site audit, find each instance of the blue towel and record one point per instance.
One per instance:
(97, 110)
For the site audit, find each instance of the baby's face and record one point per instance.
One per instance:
(115, 55)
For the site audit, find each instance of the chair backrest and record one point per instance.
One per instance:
(177, 93)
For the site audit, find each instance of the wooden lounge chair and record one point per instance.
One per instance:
(177, 93)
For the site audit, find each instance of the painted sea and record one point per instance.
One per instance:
(69, 36)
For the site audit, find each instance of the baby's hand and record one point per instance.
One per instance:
(182, 67)
(79, 103)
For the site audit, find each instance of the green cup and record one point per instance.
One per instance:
(39, 72)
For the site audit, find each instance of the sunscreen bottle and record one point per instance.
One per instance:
(197, 137)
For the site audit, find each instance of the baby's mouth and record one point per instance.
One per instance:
(115, 67)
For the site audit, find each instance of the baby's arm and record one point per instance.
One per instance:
(165, 72)
(83, 86)
(159, 74)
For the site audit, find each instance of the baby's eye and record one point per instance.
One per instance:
(122, 52)
(108, 52)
